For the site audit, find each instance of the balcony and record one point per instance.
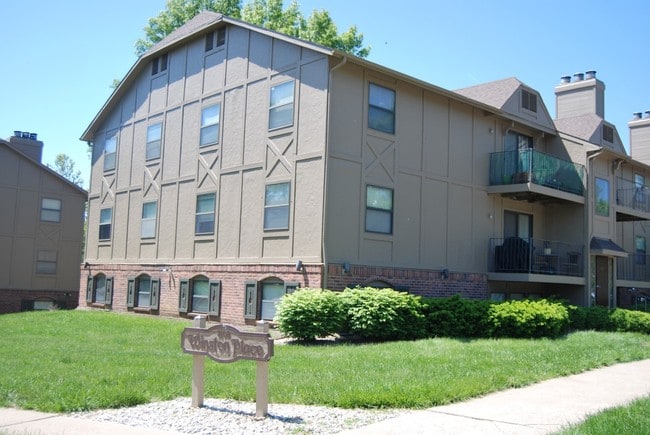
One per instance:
(531, 175)
(632, 201)
(636, 267)
(515, 255)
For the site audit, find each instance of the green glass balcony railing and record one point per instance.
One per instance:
(531, 166)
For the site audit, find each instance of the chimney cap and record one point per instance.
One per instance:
(590, 74)
(646, 114)
(565, 79)
(578, 77)
(636, 115)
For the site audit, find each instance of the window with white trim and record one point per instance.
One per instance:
(210, 125)
(148, 222)
(276, 206)
(205, 206)
(51, 210)
(110, 151)
(381, 108)
(281, 105)
(379, 209)
(105, 223)
(154, 141)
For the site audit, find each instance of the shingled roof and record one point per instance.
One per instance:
(495, 94)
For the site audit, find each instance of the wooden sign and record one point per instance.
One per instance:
(224, 343)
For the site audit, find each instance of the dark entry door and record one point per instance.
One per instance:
(602, 281)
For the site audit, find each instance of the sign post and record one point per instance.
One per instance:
(224, 343)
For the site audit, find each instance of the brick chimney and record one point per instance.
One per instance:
(639, 127)
(584, 95)
(28, 144)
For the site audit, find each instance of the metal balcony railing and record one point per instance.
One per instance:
(527, 255)
(631, 195)
(531, 166)
(636, 267)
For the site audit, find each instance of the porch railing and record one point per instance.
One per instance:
(636, 267)
(528, 255)
(630, 194)
(532, 166)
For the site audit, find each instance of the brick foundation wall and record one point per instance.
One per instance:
(421, 282)
(13, 301)
(233, 280)
(234, 277)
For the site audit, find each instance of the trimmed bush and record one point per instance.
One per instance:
(310, 313)
(456, 317)
(528, 319)
(590, 318)
(630, 321)
(383, 314)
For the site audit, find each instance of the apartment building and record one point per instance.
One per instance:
(41, 230)
(234, 164)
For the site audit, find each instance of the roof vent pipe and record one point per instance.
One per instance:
(646, 115)
(636, 116)
(565, 79)
(590, 75)
(578, 77)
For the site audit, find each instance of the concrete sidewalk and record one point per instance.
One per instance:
(538, 409)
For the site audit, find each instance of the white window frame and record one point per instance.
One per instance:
(148, 222)
(154, 141)
(277, 104)
(373, 209)
(51, 210)
(378, 105)
(271, 208)
(207, 124)
(201, 214)
(110, 152)
(106, 220)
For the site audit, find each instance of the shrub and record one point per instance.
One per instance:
(630, 321)
(456, 317)
(310, 313)
(590, 318)
(528, 319)
(383, 314)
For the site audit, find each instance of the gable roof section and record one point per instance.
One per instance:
(200, 24)
(43, 168)
(587, 127)
(504, 95)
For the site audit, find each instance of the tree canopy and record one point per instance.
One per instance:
(271, 14)
(65, 166)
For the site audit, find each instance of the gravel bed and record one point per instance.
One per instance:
(233, 417)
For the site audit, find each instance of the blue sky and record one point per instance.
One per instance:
(60, 58)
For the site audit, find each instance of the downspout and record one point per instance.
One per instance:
(589, 225)
(324, 283)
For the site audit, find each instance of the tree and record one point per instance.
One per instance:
(64, 166)
(318, 27)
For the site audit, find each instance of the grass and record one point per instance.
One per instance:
(633, 419)
(78, 360)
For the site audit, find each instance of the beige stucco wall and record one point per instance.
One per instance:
(23, 185)
(248, 156)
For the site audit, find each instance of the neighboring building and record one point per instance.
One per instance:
(234, 164)
(41, 230)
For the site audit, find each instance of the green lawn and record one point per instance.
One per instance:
(633, 419)
(78, 360)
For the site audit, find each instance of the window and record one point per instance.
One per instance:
(272, 292)
(608, 133)
(105, 220)
(46, 263)
(210, 125)
(99, 289)
(159, 64)
(110, 149)
(51, 210)
(200, 295)
(602, 197)
(379, 210)
(205, 214)
(281, 106)
(276, 207)
(528, 100)
(210, 39)
(143, 292)
(517, 225)
(154, 139)
(148, 223)
(381, 109)
(639, 249)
